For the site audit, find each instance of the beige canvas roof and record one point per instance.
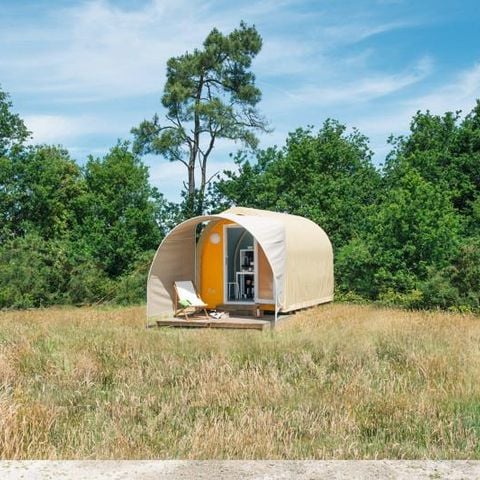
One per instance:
(299, 252)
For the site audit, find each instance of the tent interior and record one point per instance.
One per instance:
(233, 268)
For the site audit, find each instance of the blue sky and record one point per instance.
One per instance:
(82, 73)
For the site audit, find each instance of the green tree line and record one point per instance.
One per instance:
(72, 234)
(406, 234)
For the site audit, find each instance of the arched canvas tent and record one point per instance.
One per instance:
(282, 262)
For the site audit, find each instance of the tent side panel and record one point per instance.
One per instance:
(309, 270)
(175, 261)
(265, 277)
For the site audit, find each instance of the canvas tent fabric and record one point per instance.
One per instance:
(299, 253)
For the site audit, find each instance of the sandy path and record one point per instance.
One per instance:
(236, 470)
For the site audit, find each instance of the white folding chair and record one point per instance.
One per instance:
(187, 300)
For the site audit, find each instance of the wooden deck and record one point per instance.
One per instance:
(229, 322)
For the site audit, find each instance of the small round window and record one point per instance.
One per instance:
(215, 238)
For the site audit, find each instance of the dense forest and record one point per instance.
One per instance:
(405, 233)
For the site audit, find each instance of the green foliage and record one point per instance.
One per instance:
(87, 282)
(421, 238)
(209, 94)
(412, 229)
(120, 210)
(37, 272)
(408, 235)
(400, 236)
(13, 132)
(443, 150)
(25, 273)
(42, 187)
(456, 286)
(355, 268)
(410, 299)
(71, 234)
(130, 287)
(326, 176)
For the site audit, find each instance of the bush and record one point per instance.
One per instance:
(350, 297)
(88, 284)
(438, 291)
(411, 299)
(131, 287)
(38, 273)
(354, 269)
(456, 286)
(26, 274)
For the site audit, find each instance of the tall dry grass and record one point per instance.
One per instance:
(337, 381)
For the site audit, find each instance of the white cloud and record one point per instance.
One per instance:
(313, 65)
(163, 171)
(169, 177)
(458, 93)
(384, 123)
(363, 89)
(356, 32)
(98, 50)
(288, 57)
(57, 128)
(65, 128)
(102, 51)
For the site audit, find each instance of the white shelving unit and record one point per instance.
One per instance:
(247, 260)
(246, 276)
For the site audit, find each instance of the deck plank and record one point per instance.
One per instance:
(229, 322)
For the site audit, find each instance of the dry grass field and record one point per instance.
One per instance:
(338, 381)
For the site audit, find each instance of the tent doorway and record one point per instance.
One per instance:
(247, 275)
